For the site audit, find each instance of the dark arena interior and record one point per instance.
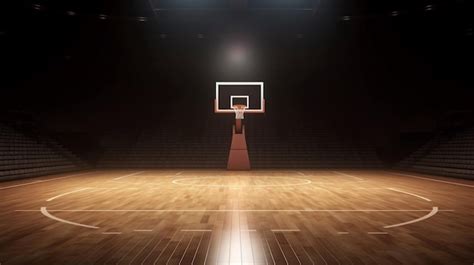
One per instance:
(237, 132)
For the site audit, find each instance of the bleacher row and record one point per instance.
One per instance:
(268, 148)
(447, 154)
(22, 156)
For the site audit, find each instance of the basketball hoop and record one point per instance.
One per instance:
(239, 110)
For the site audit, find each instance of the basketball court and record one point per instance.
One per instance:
(237, 217)
(240, 132)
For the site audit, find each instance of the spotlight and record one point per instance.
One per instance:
(142, 19)
(103, 17)
(429, 8)
(36, 7)
(346, 18)
(70, 13)
(238, 54)
(395, 14)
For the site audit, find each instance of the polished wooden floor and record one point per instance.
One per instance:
(221, 217)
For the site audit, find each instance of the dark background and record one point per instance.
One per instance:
(392, 72)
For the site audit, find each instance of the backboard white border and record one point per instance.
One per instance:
(262, 100)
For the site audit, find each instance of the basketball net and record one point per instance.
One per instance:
(239, 111)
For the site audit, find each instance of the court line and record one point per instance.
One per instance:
(258, 242)
(347, 175)
(163, 249)
(179, 173)
(408, 193)
(237, 210)
(292, 249)
(197, 249)
(269, 249)
(140, 250)
(430, 214)
(149, 253)
(66, 193)
(342, 233)
(44, 180)
(129, 251)
(143, 230)
(207, 251)
(179, 182)
(129, 175)
(196, 230)
(172, 253)
(431, 179)
(187, 247)
(281, 249)
(111, 233)
(45, 212)
(285, 230)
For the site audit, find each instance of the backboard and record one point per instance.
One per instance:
(250, 94)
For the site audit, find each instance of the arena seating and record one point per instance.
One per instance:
(447, 154)
(170, 147)
(208, 146)
(304, 147)
(22, 156)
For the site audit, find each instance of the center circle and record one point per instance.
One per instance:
(254, 181)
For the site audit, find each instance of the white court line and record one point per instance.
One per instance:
(285, 230)
(430, 214)
(207, 251)
(197, 249)
(185, 250)
(282, 252)
(431, 179)
(172, 253)
(66, 193)
(143, 230)
(248, 230)
(196, 230)
(377, 233)
(179, 173)
(111, 233)
(47, 214)
(44, 180)
(235, 210)
(342, 233)
(129, 175)
(408, 193)
(347, 175)
(180, 182)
